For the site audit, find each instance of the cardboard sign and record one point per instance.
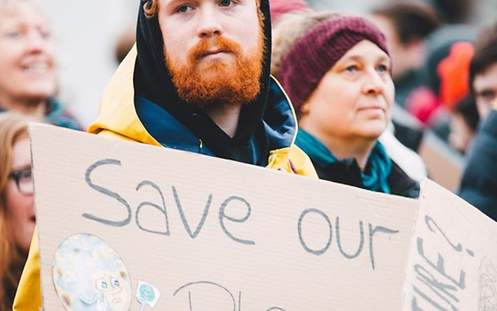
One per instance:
(453, 263)
(124, 226)
(445, 166)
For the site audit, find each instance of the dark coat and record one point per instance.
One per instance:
(479, 182)
(348, 172)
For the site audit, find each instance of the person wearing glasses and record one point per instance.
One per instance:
(17, 215)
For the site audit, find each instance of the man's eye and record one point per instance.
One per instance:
(489, 95)
(183, 9)
(225, 2)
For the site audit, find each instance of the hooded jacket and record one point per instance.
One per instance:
(141, 104)
(132, 117)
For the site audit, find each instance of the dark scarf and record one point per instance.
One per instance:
(374, 177)
(152, 80)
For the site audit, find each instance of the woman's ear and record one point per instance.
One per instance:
(304, 109)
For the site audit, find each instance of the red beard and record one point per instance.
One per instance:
(231, 80)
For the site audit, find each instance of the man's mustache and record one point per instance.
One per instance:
(212, 46)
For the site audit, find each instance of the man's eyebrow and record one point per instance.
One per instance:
(170, 3)
(487, 91)
(175, 2)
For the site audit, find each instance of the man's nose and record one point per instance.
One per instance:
(209, 25)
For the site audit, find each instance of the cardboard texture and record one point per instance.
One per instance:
(142, 228)
(453, 262)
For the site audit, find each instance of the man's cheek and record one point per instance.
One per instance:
(484, 108)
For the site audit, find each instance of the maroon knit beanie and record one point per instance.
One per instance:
(314, 54)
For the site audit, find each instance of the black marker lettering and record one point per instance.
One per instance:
(194, 234)
(439, 288)
(204, 283)
(372, 232)
(430, 222)
(440, 266)
(416, 307)
(107, 192)
(161, 209)
(301, 220)
(223, 216)
(339, 243)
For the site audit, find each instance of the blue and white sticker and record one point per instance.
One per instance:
(147, 295)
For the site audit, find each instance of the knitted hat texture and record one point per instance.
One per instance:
(316, 52)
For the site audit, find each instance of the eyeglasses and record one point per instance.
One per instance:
(24, 180)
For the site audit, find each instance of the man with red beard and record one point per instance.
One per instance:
(198, 80)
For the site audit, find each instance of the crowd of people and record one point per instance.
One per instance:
(329, 95)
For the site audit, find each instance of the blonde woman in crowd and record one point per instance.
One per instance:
(17, 216)
(27, 65)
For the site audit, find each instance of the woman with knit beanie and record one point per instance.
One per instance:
(338, 77)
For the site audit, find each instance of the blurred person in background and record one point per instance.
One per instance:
(17, 215)
(282, 7)
(406, 27)
(464, 124)
(27, 65)
(338, 77)
(479, 182)
(483, 71)
(124, 43)
(447, 67)
(453, 11)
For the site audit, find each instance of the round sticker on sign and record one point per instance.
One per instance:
(89, 275)
(147, 295)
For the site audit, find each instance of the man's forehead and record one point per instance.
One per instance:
(487, 78)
